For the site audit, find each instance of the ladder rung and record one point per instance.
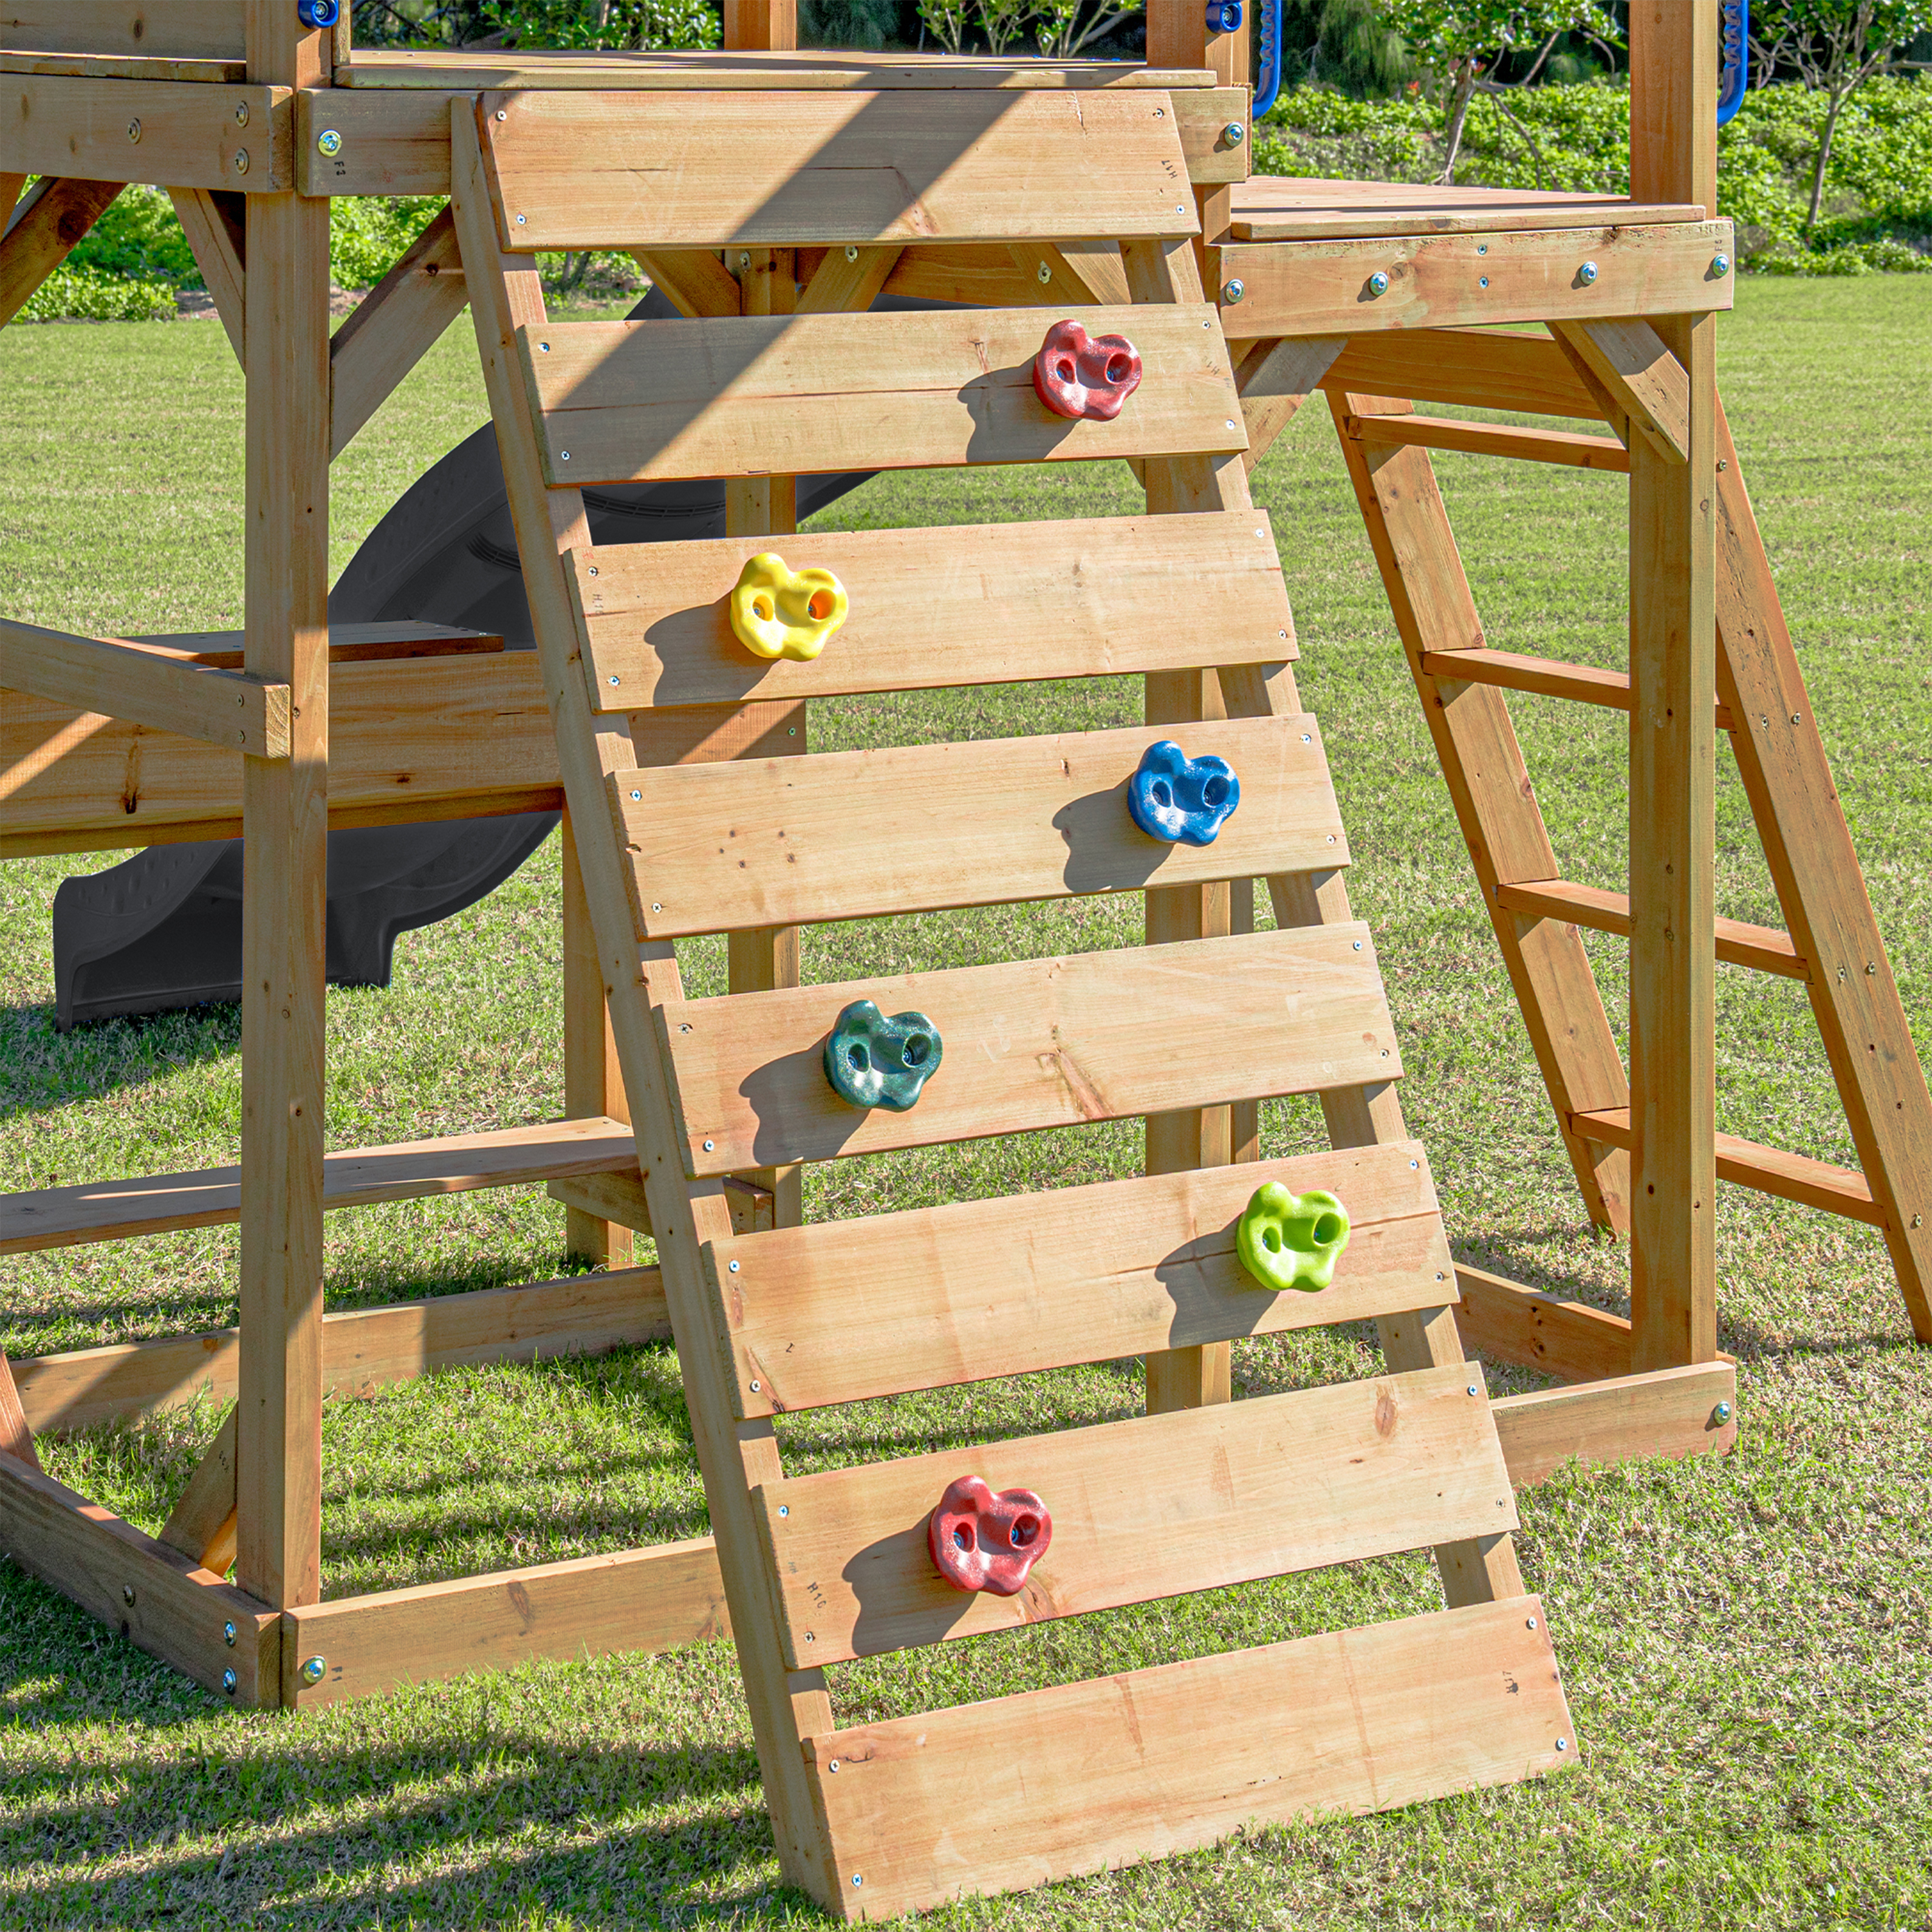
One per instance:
(1792, 1177)
(1481, 438)
(1739, 944)
(1550, 676)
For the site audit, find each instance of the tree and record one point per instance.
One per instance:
(1063, 27)
(1836, 45)
(628, 25)
(1346, 42)
(1466, 41)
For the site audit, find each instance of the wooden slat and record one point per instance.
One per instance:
(393, 329)
(1039, 1043)
(50, 220)
(56, 1217)
(634, 1599)
(1791, 1177)
(158, 29)
(571, 170)
(1150, 1507)
(783, 841)
(1321, 288)
(158, 1599)
(1667, 1413)
(216, 232)
(190, 135)
(1275, 378)
(1270, 208)
(977, 603)
(1739, 943)
(1548, 677)
(1477, 368)
(1478, 439)
(1639, 374)
(1149, 1762)
(403, 747)
(740, 396)
(362, 1348)
(151, 686)
(16, 1434)
(126, 66)
(1506, 1322)
(844, 1310)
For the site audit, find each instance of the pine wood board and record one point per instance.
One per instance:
(123, 67)
(1322, 288)
(1479, 368)
(55, 1217)
(692, 169)
(973, 603)
(643, 1600)
(1664, 1414)
(1477, 439)
(1037, 1043)
(1505, 1322)
(1270, 208)
(1156, 1506)
(42, 228)
(191, 137)
(792, 395)
(783, 841)
(1739, 943)
(1104, 1774)
(156, 29)
(843, 1311)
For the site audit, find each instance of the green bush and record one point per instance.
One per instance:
(69, 294)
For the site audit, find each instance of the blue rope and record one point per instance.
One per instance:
(1269, 83)
(1735, 79)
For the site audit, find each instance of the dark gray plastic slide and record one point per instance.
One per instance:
(164, 930)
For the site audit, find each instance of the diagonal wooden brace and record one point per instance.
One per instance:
(1638, 379)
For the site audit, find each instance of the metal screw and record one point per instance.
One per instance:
(593, 570)
(134, 130)
(241, 114)
(1044, 273)
(1871, 966)
(1720, 265)
(1529, 1623)
(1234, 292)
(637, 797)
(1180, 208)
(785, 1509)
(1919, 1220)
(1482, 248)
(851, 251)
(316, 1668)
(656, 907)
(744, 260)
(1234, 133)
(709, 1148)
(228, 1681)
(564, 454)
(1722, 1413)
(329, 142)
(1358, 947)
(1483, 281)
(833, 1766)
(614, 678)
(241, 160)
(1307, 738)
(754, 1388)
(810, 1638)
(1385, 1053)
(521, 220)
(228, 1635)
(1472, 1388)
(1794, 717)
(1378, 283)
(543, 348)
(501, 115)
(1231, 422)
(1562, 1743)
(734, 1267)
(1587, 274)
(127, 1594)
(858, 1878)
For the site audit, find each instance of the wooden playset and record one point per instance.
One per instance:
(1129, 295)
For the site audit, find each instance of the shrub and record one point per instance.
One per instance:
(70, 295)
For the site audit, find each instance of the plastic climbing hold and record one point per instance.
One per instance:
(1076, 374)
(777, 612)
(982, 1541)
(1184, 800)
(873, 1061)
(1291, 1240)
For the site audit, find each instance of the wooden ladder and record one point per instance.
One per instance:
(677, 834)
(1831, 939)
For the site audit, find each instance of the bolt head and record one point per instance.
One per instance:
(1722, 1413)
(229, 1682)
(329, 142)
(241, 160)
(1378, 283)
(315, 1669)
(134, 130)
(241, 114)
(127, 1594)
(851, 251)
(709, 1147)
(1234, 133)
(734, 1267)
(1720, 266)
(228, 1635)
(1587, 274)
(1234, 292)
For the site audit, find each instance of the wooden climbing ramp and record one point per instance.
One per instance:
(681, 828)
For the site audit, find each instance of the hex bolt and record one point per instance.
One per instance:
(229, 1682)
(1720, 265)
(1234, 292)
(1378, 283)
(315, 1669)
(1234, 133)
(329, 142)
(228, 1635)
(1587, 274)
(241, 160)
(134, 130)
(1722, 1413)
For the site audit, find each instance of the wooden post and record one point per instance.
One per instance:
(756, 26)
(1673, 747)
(285, 822)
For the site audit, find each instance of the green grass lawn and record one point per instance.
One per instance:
(1747, 1644)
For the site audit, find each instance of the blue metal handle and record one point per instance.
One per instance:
(1268, 83)
(1734, 81)
(318, 13)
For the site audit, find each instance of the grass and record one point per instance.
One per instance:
(1748, 1644)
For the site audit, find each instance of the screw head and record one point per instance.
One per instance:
(1234, 292)
(756, 1388)
(851, 251)
(228, 1635)
(833, 1766)
(1720, 266)
(1234, 133)
(229, 1682)
(1473, 1387)
(241, 160)
(1562, 1743)
(1378, 283)
(127, 1594)
(315, 1669)
(522, 219)
(1722, 1413)
(134, 130)
(1043, 274)
(1483, 281)
(709, 1148)
(329, 142)
(564, 455)
(614, 678)
(785, 1509)
(1587, 274)
(1529, 1623)
(734, 1267)
(241, 114)
(637, 797)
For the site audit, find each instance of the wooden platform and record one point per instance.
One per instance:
(1277, 207)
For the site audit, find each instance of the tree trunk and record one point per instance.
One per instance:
(1824, 140)
(1459, 112)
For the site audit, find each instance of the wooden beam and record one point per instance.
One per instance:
(1549, 677)
(161, 1601)
(1640, 377)
(216, 226)
(1505, 1322)
(201, 1525)
(162, 690)
(11, 187)
(849, 278)
(16, 1436)
(593, 1080)
(177, 29)
(186, 136)
(362, 1348)
(694, 279)
(755, 26)
(44, 230)
(1477, 368)
(394, 326)
(1667, 1413)
(1275, 377)
(1477, 439)
(1763, 947)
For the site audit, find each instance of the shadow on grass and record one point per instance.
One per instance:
(45, 1070)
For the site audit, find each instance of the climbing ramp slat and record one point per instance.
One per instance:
(1188, 1031)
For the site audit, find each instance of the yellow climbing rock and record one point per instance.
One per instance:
(777, 612)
